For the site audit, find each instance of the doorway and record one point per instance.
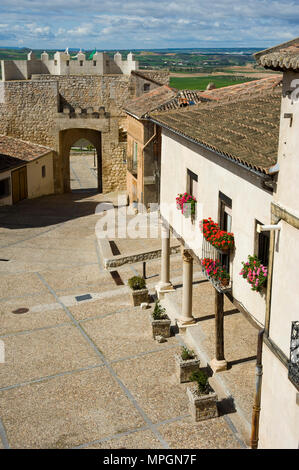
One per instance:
(83, 166)
(80, 162)
(19, 184)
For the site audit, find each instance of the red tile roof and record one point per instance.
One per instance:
(282, 57)
(15, 152)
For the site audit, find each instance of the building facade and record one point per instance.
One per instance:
(237, 158)
(56, 110)
(26, 170)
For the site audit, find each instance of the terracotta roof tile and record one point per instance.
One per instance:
(15, 152)
(282, 57)
(244, 128)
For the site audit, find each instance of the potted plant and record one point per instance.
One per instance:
(220, 239)
(216, 271)
(186, 363)
(139, 290)
(160, 321)
(186, 203)
(255, 273)
(202, 398)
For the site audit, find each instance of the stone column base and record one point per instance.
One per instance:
(184, 322)
(163, 288)
(218, 366)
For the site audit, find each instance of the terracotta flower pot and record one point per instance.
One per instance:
(224, 282)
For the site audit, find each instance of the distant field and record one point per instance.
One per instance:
(200, 83)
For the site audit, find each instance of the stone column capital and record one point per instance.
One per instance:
(186, 255)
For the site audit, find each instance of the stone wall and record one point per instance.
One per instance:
(160, 76)
(32, 110)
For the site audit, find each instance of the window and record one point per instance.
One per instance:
(5, 187)
(262, 245)
(81, 63)
(94, 63)
(146, 87)
(225, 223)
(67, 63)
(55, 62)
(192, 180)
(43, 171)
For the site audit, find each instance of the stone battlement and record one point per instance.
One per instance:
(64, 64)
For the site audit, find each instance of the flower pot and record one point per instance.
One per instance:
(202, 407)
(139, 296)
(160, 327)
(224, 282)
(184, 368)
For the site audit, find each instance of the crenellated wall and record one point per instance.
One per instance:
(64, 64)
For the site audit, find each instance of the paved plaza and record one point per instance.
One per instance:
(85, 372)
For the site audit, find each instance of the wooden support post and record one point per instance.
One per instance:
(219, 326)
(219, 363)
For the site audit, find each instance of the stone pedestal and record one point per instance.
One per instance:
(202, 407)
(185, 368)
(160, 327)
(164, 285)
(139, 296)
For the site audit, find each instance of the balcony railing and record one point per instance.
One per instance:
(210, 252)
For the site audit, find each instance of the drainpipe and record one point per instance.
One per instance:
(257, 398)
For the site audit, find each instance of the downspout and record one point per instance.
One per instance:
(258, 389)
(259, 368)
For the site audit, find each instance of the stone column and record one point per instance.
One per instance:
(186, 317)
(165, 285)
(219, 363)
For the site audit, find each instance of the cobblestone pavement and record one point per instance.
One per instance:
(84, 372)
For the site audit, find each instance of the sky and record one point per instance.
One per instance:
(147, 24)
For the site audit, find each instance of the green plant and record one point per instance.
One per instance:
(159, 311)
(255, 273)
(137, 283)
(186, 353)
(201, 379)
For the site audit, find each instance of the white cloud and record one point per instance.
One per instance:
(135, 23)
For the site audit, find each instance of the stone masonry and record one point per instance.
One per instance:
(42, 110)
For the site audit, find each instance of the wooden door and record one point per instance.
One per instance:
(19, 184)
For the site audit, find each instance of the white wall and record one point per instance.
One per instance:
(288, 151)
(37, 185)
(249, 202)
(279, 418)
(279, 421)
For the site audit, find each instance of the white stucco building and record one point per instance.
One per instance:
(26, 170)
(238, 158)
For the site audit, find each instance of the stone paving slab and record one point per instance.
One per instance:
(88, 310)
(57, 387)
(153, 381)
(14, 323)
(135, 440)
(210, 434)
(44, 352)
(67, 411)
(20, 284)
(126, 333)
